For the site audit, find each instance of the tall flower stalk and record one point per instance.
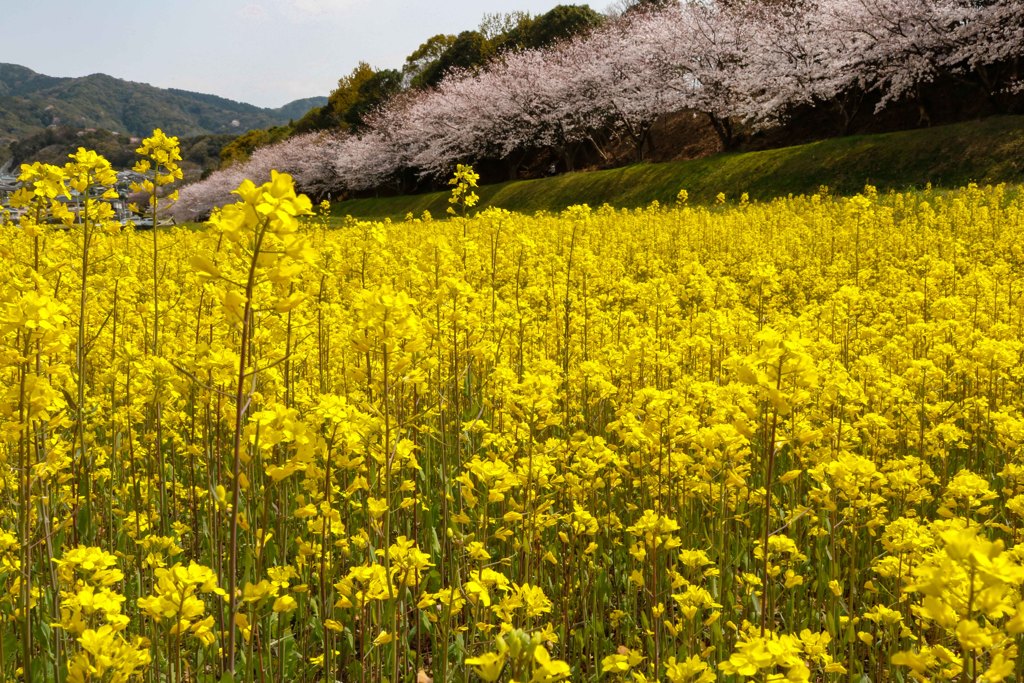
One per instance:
(92, 179)
(159, 168)
(264, 251)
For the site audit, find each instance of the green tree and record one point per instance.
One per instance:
(373, 92)
(242, 147)
(424, 56)
(560, 23)
(496, 27)
(627, 6)
(469, 49)
(346, 95)
(357, 94)
(317, 118)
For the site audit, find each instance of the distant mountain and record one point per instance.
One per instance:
(299, 108)
(31, 102)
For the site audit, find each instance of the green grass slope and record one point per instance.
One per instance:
(988, 151)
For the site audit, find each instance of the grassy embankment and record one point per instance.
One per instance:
(988, 151)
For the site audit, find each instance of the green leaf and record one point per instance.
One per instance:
(11, 646)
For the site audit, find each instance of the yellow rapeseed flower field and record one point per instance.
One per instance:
(773, 441)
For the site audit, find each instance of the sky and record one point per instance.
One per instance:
(264, 52)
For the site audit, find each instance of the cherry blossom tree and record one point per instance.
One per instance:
(750, 64)
(698, 51)
(893, 47)
(309, 158)
(989, 43)
(196, 200)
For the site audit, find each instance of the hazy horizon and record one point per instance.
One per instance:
(252, 51)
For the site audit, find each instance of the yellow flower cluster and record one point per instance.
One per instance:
(159, 167)
(772, 441)
(463, 183)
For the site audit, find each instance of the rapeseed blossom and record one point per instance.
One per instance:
(671, 443)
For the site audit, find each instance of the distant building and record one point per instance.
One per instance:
(8, 185)
(125, 178)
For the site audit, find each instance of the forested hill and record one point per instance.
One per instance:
(31, 102)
